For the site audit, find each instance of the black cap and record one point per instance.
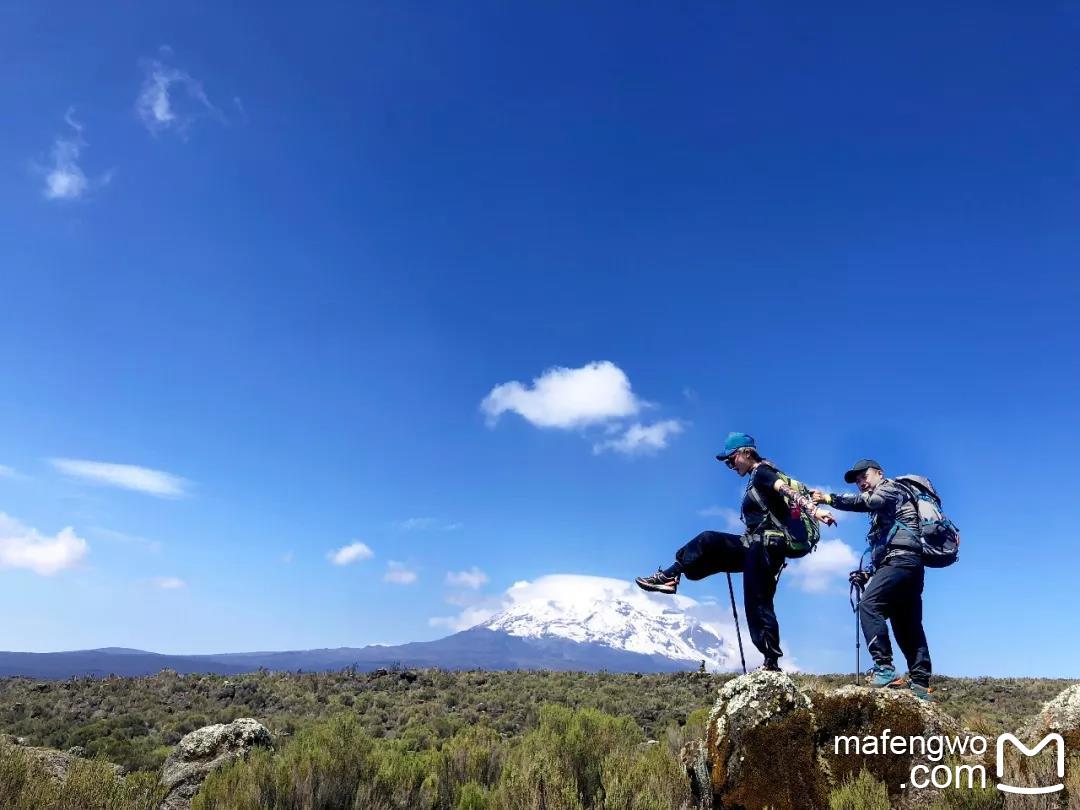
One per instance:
(862, 465)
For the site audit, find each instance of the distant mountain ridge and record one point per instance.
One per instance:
(567, 623)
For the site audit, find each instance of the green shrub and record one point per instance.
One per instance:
(864, 792)
(472, 797)
(88, 785)
(650, 779)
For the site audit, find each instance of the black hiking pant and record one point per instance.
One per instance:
(715, 552)
(895, 593)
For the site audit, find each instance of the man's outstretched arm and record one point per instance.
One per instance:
(852, 502)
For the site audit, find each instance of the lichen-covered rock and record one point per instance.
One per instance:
(759, 746)
(203, 751)
(1062, 715)
(863, 712)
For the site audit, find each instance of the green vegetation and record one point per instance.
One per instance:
(88, 785)
(864, 792)
(415, 739)
(134, 722)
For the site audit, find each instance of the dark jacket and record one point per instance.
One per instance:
(888, 503)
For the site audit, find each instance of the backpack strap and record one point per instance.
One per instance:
(913, 498)
(752, 491)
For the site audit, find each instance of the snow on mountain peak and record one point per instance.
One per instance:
(599, 610)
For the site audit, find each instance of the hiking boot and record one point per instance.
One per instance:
(659, 582)
(921, 692)
(883, 675)
(770, 665)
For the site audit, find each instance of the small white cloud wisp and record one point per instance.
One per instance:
(640, 438)
(398, 573)
(473, 579)
(170, 99)
(64, 177)
(350, 553)
(125, 476)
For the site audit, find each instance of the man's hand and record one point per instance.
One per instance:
(859, 578)
(817, 496)
(825, 517)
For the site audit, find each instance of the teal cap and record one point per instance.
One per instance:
(736, 441)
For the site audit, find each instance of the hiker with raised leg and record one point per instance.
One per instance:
(781, 523)
(894, 582)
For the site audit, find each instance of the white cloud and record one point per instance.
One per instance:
(640, 438)
(23, 547)
(731, 521)
(399, 573)
(124, 476)
(169, 583)
(474, 578)
(350, 553)
(426, 523)
(469, 617)
(827, 566)
(65, 178)
(566, 397)
(170, 99)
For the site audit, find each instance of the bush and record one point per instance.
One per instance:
(651, 779)
(89, 785)
(864, 792)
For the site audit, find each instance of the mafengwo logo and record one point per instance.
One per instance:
(1030, 752)
(943, 775)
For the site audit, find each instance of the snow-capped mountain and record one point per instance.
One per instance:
(615, 614)
(557, 622)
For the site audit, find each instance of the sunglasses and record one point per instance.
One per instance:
(730, 462)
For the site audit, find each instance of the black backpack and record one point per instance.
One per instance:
(939, 537)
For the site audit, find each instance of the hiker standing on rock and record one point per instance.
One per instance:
(780, 520)
(894, 584)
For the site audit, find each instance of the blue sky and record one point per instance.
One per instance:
(278, 259)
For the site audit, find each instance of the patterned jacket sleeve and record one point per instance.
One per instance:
(802, 501)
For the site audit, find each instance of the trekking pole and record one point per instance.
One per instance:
(855, 597)
(735, 613)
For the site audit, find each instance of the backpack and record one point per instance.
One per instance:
(939, 537)
(800, 530)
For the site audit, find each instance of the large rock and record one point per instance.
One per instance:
(771, 744)
(1061, 715)
(759, 747)
(862, 712)
(203, 751)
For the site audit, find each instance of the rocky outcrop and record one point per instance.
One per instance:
(862, 712)
(759, 747)
(204, 751)
(771, 744)
(1061, 715)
